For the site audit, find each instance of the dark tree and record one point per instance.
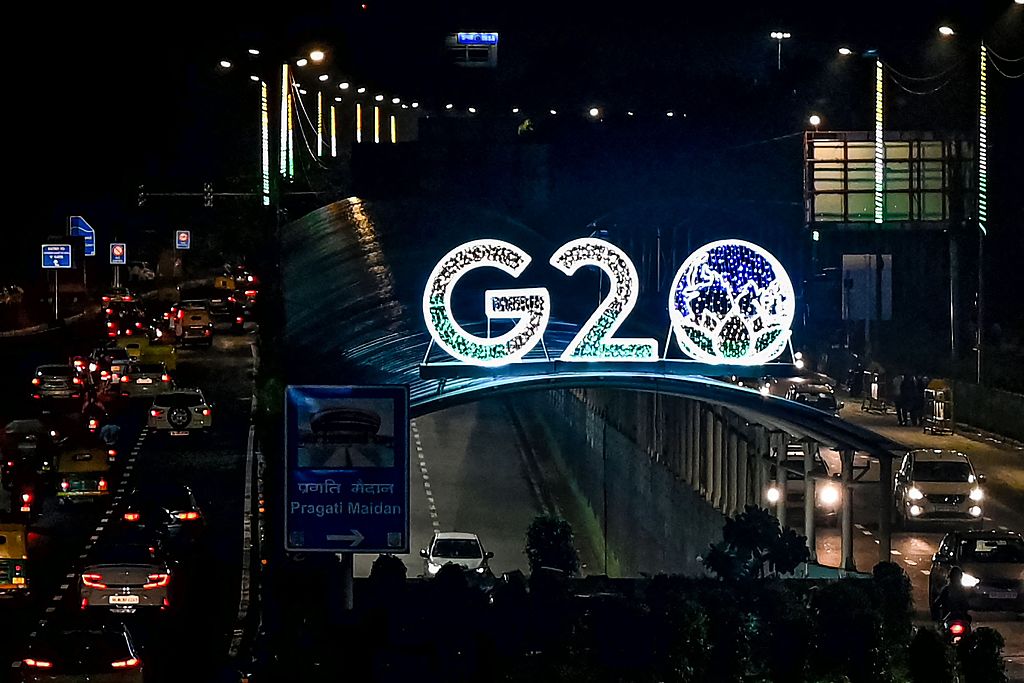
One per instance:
(549, 543)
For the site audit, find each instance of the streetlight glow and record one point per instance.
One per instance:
(415, 105)
(472, 110)
(254, 79)
(845, 51)
(225, 64)
(302, 62)
(317, 55)
(253, 51)
(379, 98)
(946, 31)
(779, 36)
(553, 112)
(594, 112)
(396, 100)
(449, 106)
(814, 120)
(629, 113)
(323, 77)
(361, 90)
(343, 85)
(515, 110)
(337, 99)
(670, 114)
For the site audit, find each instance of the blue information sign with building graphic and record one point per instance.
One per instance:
(56, 256)
(347, 469)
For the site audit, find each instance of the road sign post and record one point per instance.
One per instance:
(56, 257)
(347, 472)
(183, 239)
(118, 258)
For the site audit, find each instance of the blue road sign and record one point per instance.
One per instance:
(183, 239)
(79, 227)
(347, 469)
(56, 256)
(118, 253)
(477, 38)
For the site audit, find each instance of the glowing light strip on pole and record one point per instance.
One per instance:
(334, 131)
(394, 130)
(879, 146)
(983, 143)
(376, 124)
(291, 138)
(359, 122)
(265, 142)
(285, 80)
(319, 124)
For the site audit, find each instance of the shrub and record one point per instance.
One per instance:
(549, 543)
(931, 659)
(981, 656)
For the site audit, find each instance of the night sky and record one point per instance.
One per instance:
(106, 99)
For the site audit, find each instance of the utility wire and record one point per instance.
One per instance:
(993, 53)
(1006, 75)
(921, 92)
(923, 78)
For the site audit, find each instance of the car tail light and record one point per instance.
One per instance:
(181, 314)
(26, 505)
(106, 299)
(206, 333)
(127, 297)
(93, 367)
(79, 362)
(132, 516)
(93, 581)
(38, 663)
(102, 485)
(957, 628)
(128, 332)
(250, 292)
(65, 485)
(232, 299)
(206, 412)
(10, 463)
(36, 381)
(111, 454)
(109, 311)
(93, 423)
(125, 663)
(76, 380)
(85, 602)
(104, 374)
(157, 581)
(165, 378)
(188, 516)
(155, 412)
(239, 319)
(125, 378)
(110, 323)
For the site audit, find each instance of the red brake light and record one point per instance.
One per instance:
(206, 412)
(181, 314)
(93, 580)
(38, 663)
(155, 412)
(165, 378)
(79, 363)
(65, 485)
(957, 628)
(102, 485)
(157, 581)
(104, 374)
(239, 319)
(188, 515)
(125, 378)
(132, 516)
(76, 380)
(93, 423)
(110, 324)
(109, 311)
(26, 497)
(106, 299)
(125, 663)
(250, 292)
(36, 381)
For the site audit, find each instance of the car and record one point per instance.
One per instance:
(124, 577)
(463, 549)
(14, 581)
(83, 474)
(938, 485)
(828, 489)
(193, 325)
(993, 569)
(118, 294)
(180, 412)
(27, 444)
(110, 362)
(820, 396)
(168, 507)
(145, 379)
(82, 648)
(56, 382)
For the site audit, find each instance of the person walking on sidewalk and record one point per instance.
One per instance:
(917, 401)
(905, 398)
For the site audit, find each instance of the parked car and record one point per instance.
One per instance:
(936, 484)
(820, 396)
(993, 569)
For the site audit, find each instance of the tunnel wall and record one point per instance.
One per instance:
(656, 522)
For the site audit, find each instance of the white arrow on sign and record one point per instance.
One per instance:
(355, 538)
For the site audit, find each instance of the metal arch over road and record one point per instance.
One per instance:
(354, 274)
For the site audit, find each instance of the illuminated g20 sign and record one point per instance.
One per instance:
(731, 302)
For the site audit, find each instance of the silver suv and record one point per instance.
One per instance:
(935, 484)
(180, 412)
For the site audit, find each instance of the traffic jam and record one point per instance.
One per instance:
(68, 457)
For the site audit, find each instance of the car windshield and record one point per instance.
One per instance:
(1009, 550)
(170, 497)
(180, 400)
(122, 553)
(459, 548)
(54, 371)
(149, 369)
(942, 470)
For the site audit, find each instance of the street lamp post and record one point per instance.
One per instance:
(779, 36)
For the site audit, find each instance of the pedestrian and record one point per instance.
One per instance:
(110, 433)
(897, 401)
(907, 388)
(917, 401)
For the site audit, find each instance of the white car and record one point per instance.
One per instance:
(180, 412)
(939, 485)
(454, 547)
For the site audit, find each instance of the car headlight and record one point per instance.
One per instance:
(968, 581)
(433, 568)
(829, 494)
(481, 570)
(914, 493)
(976, 493)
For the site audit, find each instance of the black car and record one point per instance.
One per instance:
(84, 646)
(993, 569)
(167, 507)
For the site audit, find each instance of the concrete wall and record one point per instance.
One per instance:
(653, 519)
(989, 409)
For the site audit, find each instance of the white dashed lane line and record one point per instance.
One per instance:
(435, 522)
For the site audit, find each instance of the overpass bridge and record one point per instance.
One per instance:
(354, 274)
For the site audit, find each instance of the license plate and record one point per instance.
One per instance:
(179, 433)
(18, 580)
(144, 380)
(124, 599)
(1003, 595)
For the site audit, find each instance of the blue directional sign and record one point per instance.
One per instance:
(182, 239)
(56, 256)
(118, 253)
(347, 469)
(78, 227)
(476, 38)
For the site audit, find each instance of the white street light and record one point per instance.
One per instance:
(317, 55)
(553, 112)
(225, 64)
(253, 51)
(361, 90)
(845, 51)
(343, 85)
(379, 98)
(301, 62)
(449, 106)
(629, 113)
(415, 105)
(815, 121)
(472, 110)
(396, 100)
(946, 31)
(670, 114)
(254, 78)
(515, 110)
(323, 77)
(594, 112)
(780, 36)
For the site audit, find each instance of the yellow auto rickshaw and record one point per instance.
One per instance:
(13, 560)
(83, 474)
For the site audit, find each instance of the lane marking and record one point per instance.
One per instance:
(58, 597)
(895, 552)
(926, 572)
(65, 586)
(911, 563)
(865, 532)
(244, 592)
(859, 526)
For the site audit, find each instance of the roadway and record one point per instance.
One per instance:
(192, 642)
